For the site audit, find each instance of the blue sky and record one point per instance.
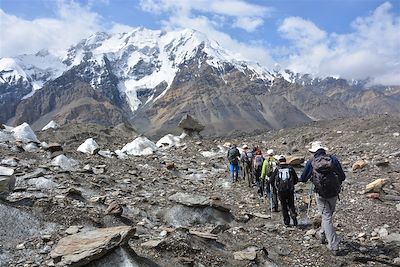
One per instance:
(348, 38)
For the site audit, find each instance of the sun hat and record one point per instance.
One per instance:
(270, 152)
(317, 145)
(245, 147)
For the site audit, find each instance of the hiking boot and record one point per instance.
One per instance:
(295, 223)
(322, 238)
(275, 210)
(338, 252)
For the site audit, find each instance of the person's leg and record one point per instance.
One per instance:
(231, 168)
(237, 172)
(292, 208)
(274, 199)
(326, 208)
(284, 204)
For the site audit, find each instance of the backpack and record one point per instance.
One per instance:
(284, 180)
(271, 167)
(232, 155)
(258, 162)
(324, 178)
(248, 158)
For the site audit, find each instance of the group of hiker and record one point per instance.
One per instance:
(275, 178)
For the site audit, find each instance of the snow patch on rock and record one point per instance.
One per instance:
(141, 146)
(89, 147)
(65, 163)
(51, 125)
(169, 141)
(24, 133)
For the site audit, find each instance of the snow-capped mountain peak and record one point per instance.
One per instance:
(141, 60)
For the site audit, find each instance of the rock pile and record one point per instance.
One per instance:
(176, 206)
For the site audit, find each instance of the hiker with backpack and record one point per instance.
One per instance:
(257, 168)
(233, 157)
(268, 168)
(247, 158)
(283, 179)
(327, 175)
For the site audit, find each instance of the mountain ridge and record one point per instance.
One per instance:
(155, 77)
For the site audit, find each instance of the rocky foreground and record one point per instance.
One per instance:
(175, 205)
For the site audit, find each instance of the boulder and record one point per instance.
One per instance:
(7, 179)
(375, 186)
(65, 163)
(115, 209)
(54, 147)
(89, 147)
(190, 125)
(190, 200)
(141, 146)
(295, 160)
(152, 243)
(248, 254)
(24, 134)
(359, 164)
(81, 248)
(51, 125)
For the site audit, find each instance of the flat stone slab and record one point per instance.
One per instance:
(190, 200)
(81, 248)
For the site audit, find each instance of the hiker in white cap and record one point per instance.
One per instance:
(246, 158)
(327, 175)
(268, 169)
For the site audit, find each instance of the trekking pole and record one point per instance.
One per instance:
(310, 192)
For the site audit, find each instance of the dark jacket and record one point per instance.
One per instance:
(292, 173)
(308, 169)
(233, 155)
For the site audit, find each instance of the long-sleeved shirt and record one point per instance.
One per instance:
(308, 169)
(266, 165)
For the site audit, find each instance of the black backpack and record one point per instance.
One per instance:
(284, 180)
(324, 178)
(233, 153)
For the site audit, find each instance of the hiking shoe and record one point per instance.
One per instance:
(322, 238)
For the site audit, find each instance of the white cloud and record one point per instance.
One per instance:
(73, 23)
(301, 31)
(247, 23)
(371, 50)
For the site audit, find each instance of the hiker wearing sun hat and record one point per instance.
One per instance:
(246, 159)
(327, 175)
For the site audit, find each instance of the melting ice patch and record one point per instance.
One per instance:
(141, 146)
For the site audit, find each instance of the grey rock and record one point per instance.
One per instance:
(190, 200)
(152, 243)
(81, 248)
(191, 124)
(42, 183)
(7, 179)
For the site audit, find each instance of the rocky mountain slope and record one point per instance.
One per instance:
(176, 206)
(155, 77)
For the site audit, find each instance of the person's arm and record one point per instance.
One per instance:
(306, 172)
(272, 179)
(338, 169)
(295, 177)
(264, 169)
